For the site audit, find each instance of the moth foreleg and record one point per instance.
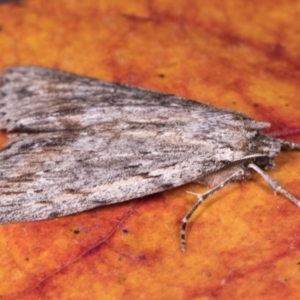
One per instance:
(274, 184)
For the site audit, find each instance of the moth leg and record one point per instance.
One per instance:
(201, 198)
(274, 184)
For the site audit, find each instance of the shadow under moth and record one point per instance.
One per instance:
(77, 143)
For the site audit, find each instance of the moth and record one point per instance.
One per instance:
(77, 143)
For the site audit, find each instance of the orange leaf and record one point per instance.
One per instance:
(244, 242)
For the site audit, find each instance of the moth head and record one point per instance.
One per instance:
(265, 149)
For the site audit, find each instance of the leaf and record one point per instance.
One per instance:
(243, 243)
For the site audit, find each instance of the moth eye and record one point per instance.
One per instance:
(262, 161)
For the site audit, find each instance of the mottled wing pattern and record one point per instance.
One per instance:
(78, 143)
